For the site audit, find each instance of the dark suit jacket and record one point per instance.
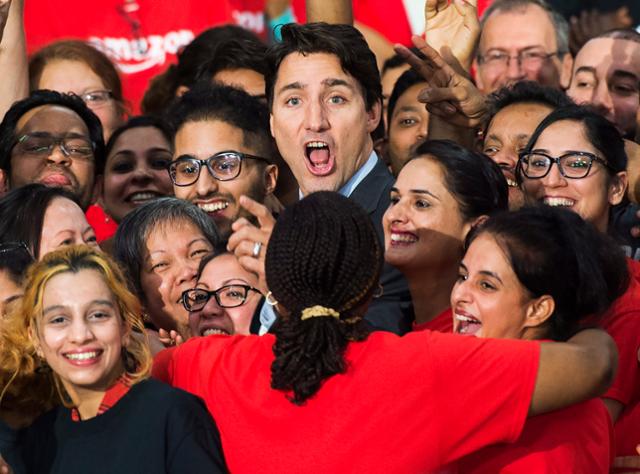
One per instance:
(393, 310)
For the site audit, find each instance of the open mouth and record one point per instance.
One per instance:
(142, 197)
(558, 201)
(402, 238)
(320, 162)
(212, 331)
(467, 324)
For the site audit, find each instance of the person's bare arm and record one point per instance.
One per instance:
(575, 371)
(13, 54)
(329, 11)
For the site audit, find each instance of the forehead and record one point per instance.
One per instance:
(67, 75)
(517, 29)
(140, 138)
(518, 119)
(606, 55)
(410, 97)
(204, 138)
(312, 70)
(222, 268)
(565, 135)
(166, 234)
(61, 211)
(54, 119)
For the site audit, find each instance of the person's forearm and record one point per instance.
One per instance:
(330, 11)
(582, 368)
(13, 59)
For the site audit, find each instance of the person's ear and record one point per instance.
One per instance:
(270, 178)
(374, 114)
(98, 191)
(618, 188)
(478, 221)
(4, 182)
(181, 90)
(566, 71)
(538, 311)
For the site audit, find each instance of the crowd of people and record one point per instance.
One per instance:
(304, 240)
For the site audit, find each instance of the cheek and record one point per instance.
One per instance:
(161, 177)
(50, 340)
(113, 183)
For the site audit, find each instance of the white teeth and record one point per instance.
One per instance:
(511, 183)
(403, 238)
(209, 332)
(317, 145)
(554, 201)
(82, 356)
(467, 319)
(142, 197)
(214, 206)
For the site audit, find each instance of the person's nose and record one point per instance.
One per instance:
(58, 157)
(316, 116)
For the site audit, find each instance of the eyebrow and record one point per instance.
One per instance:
(406, 108)
(589, 69)
(622, 74)
(329, 82)
(418, 191)
(491, 274)
(57, 307)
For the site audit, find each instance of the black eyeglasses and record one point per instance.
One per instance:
(16, 247)
(229, 296)
(572, 165)
(223, 166)
(40, 145)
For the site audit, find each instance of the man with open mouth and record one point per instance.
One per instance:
(52, 139)
(222, 150)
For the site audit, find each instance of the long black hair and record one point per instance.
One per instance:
(323, 252)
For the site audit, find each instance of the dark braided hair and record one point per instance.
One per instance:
(323, 251)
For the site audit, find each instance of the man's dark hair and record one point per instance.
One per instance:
(8, 132)
(525, 92)
(408, 79)
(204, 47)
(240, 53)
(475, 181)
(325, 252)
(130, 241)
(207, 102)
(554, 252)
(22, 212)
(343, 41)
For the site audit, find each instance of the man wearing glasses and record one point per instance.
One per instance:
(222, 150)
(521, 40)
(52, 139)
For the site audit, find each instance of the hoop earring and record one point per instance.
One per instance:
(271, 301)
(379, 291)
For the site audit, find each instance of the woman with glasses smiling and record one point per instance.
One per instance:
(225, 299)
(576, 159)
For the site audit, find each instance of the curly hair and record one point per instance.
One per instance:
(323, 252)
(24, 376)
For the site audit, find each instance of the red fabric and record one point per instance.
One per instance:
(111, 396)
(622, 322)
(627, 433)
(385, 414)
(577, 439)
(387, 17)
(103, 225)
(165, 26)
(441, 323)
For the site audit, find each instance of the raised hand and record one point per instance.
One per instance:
(454, 25)
(249, 242)
(449, 95)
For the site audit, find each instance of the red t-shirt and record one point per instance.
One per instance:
(622, 322)
(578, 439)
(140, 52)
(441, 323)
(406, 404)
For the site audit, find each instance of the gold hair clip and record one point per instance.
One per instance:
(319, 311)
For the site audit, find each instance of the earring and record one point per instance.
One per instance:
(379, 291)
(270, 299)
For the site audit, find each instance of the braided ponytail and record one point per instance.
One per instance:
(323, 260)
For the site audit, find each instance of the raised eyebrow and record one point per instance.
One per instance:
(291, 86)
(334, 82)
(588, 69)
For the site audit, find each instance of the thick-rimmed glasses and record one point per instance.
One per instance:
(40, 145)
(223, 166)
(527, 59)
(572, 165)
(229, 296)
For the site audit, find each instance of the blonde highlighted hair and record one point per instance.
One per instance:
(26, 383)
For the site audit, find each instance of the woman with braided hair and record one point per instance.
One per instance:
(320, 394)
